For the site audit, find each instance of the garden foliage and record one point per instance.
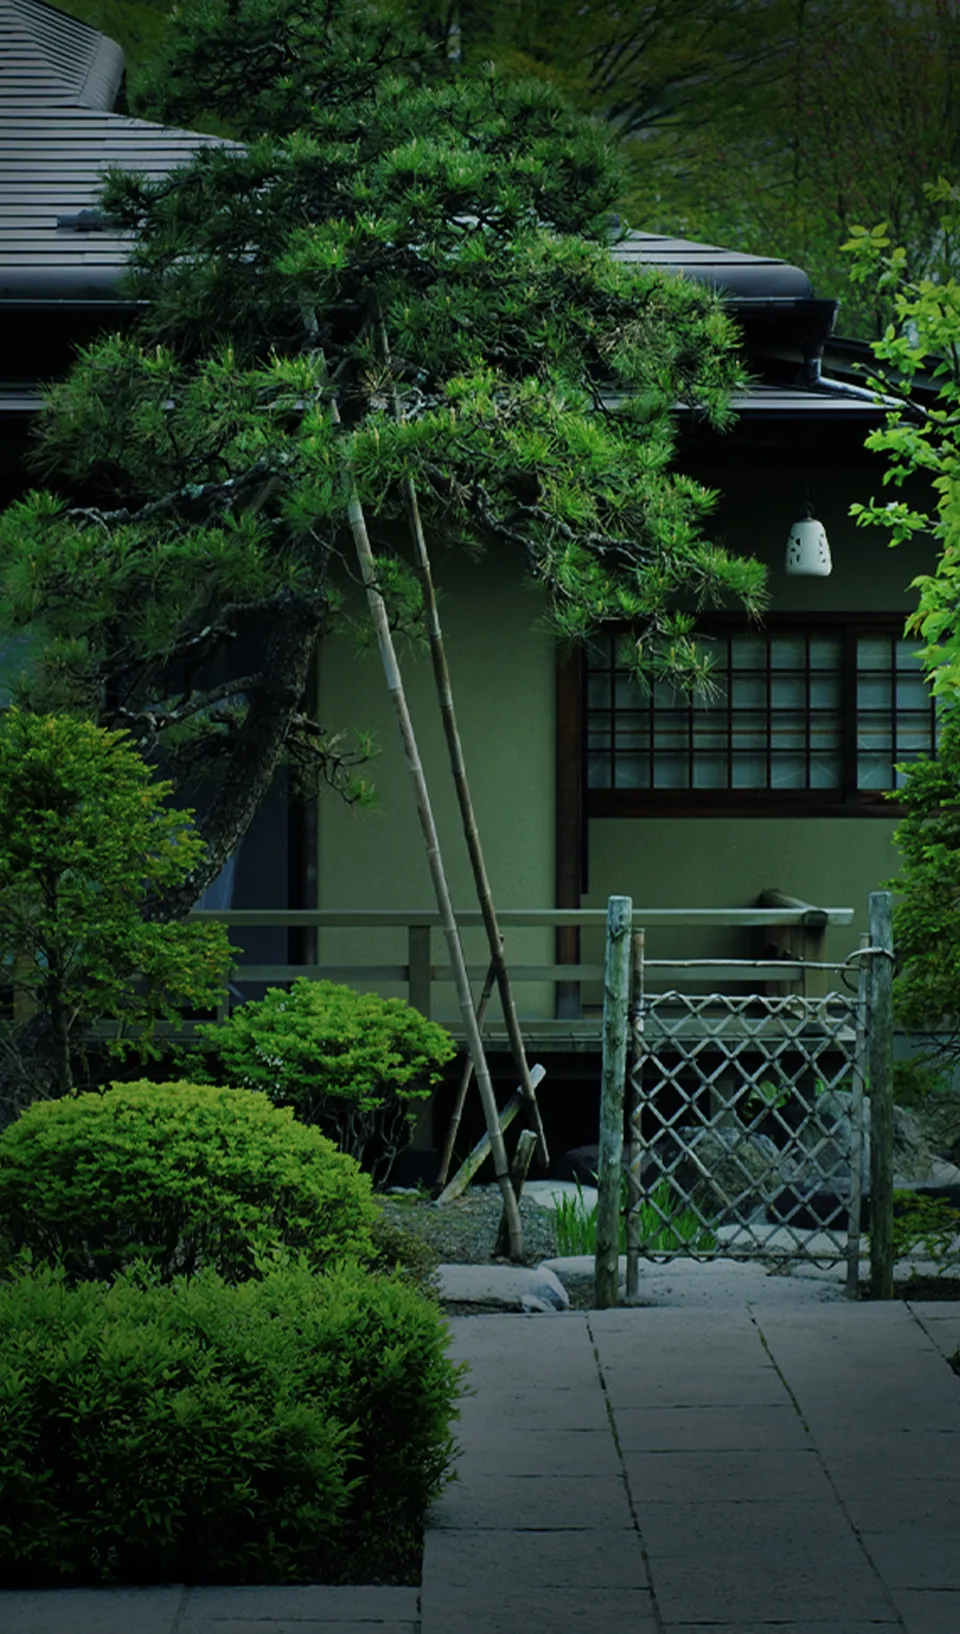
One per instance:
(918, 369)
(185, 1176)
(85, 836)
(354, 1064)
(289, 1429)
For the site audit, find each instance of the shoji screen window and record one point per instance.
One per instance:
(800, 717)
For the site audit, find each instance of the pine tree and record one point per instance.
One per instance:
(375, 223)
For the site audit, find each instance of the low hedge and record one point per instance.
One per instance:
(183, 1175)
(291, 1429)
(352, 1064)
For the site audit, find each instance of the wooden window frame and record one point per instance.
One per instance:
(848, 801)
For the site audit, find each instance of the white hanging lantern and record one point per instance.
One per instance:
(808, 553)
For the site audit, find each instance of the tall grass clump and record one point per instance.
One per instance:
(663, 1226)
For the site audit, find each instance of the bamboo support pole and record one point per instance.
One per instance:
(378, 611)
(881, 1095)
(444, 688)
(473, 1160)
(460, 1101)
(616, 990)
(526, 1146)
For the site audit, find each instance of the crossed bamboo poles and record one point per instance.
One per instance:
(511, 1234)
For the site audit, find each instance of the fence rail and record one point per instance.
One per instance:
(793, 927)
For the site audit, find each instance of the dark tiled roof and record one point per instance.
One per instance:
(57, 135)
(50, 167)
(50, 59)
(755, 277)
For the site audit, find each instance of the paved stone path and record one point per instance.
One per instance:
(746, 1470)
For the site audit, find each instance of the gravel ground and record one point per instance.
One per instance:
(464, 1232)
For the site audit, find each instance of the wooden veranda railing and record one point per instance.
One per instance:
(792, 945)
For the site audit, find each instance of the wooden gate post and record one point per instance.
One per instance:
(880, 1059)
(616, 1000)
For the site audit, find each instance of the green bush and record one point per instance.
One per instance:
(350, 1063)
(182, 1175)
(284, 1430)
(930, 1223)
(396, 1249)
(377, 1354)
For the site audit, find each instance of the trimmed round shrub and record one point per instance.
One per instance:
(288, 1430)
(375, 1354)
(181, 1175)
(350, 1063)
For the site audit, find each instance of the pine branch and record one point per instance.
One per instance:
(192, 495)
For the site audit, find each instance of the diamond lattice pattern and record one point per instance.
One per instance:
(745, 1127)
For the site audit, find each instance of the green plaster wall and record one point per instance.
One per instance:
(503, 676)
(502, 672)
(758, 505)
(726, 862)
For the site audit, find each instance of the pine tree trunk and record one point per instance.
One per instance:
(255, 755)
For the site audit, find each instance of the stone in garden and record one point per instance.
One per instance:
(503, 1287)
(724, 1169)
(580, 1163)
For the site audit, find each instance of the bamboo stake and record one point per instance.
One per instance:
(457, 1112)
(881, 1095)
(441, 675)
(473, 1160)
(358, 528)
(526, 1146)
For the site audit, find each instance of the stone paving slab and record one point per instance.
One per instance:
(538, 1501)
(530, 1409)
(540, 1452)
(875, 1505)
(915, 1555)
(319, 1609)
(702, 1429)
(781, 1627)
(507, 1562)
(683, 1386)
(941, 1322)
(917, 1455)
(279, 1624)
(762, 1586)
(761, 1538)
(317, 1603)
(562, 1611)
(929, 1613)
(701, 1477)
(90, 1611)
(512, 1371)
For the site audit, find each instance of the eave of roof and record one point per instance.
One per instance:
(51, 162)
(51, 59)
(729, 271)
(58, 134)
